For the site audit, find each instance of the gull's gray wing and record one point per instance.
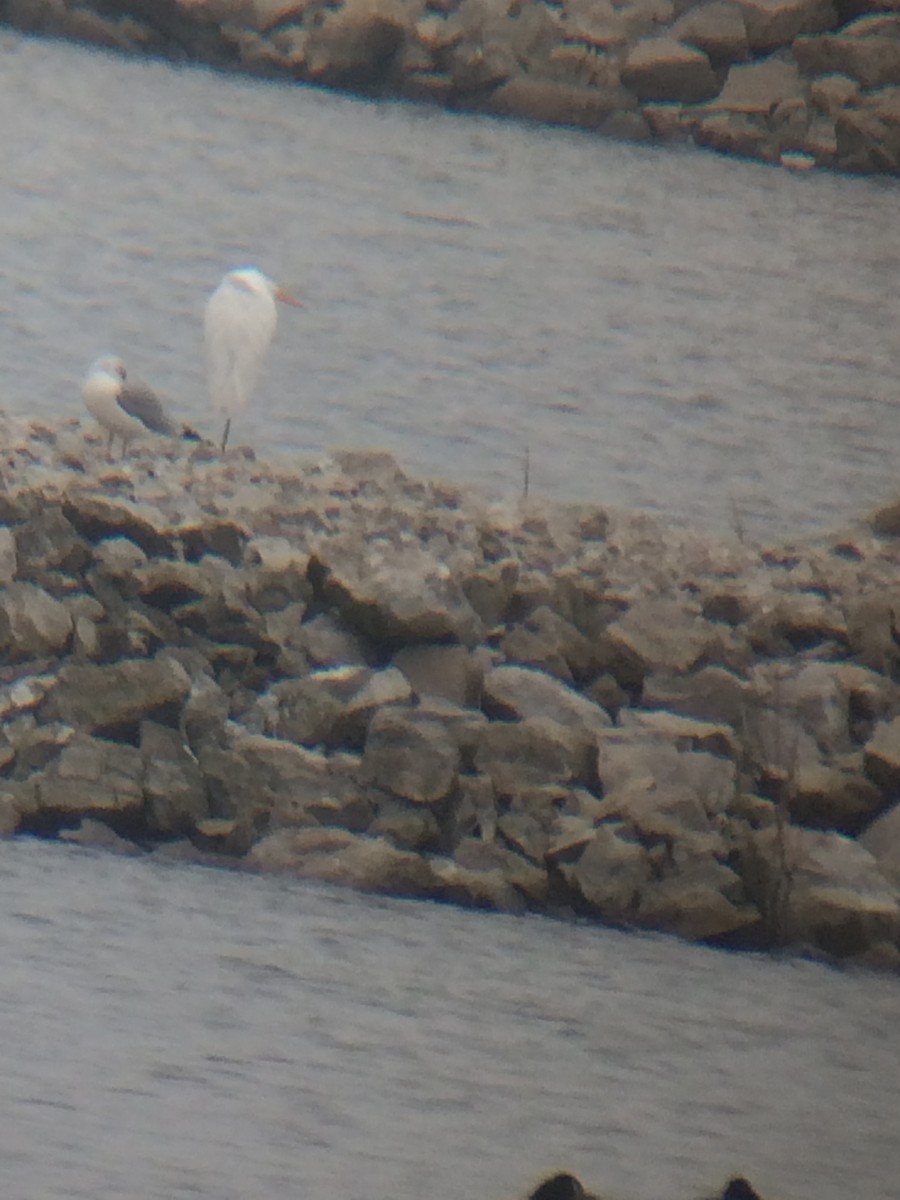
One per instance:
(141, 402)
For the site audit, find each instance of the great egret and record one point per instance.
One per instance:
(123, 409)
(239, 325)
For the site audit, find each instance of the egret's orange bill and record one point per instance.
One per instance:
(287, 298)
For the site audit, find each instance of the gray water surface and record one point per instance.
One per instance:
(169, 1032)
(665, 329)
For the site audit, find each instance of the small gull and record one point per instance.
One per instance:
(124, 409)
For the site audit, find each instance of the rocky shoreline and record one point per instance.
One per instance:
(798, 82)
(341, 672)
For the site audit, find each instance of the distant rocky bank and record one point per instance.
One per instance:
(800, 82)
(341, 672)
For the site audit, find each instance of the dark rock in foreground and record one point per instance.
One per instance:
(356, 677)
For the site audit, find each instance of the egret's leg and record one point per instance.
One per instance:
(226, 433)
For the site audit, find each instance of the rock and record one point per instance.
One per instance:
(95, 517)
(448, 672)
(489, 588)
(661, 68)
(356, 46)
(656, 635)
(410, 756)
(395, 594)
(96, 835)
(687, 733)
(536, 750)
(546, 639)
(697, 898)
(554, 103)
(882, 840)
(32, 622)
(479, 68)
(758, 87)
(831, 93)
(717, 28)
(309, 710)
(475, 813)
(710, 694)
(8, 558)
(264, 782)
(91, 775)
(872, 61)
(820, 889)
(407, 826)
(120, 558)
(835, 796)
(47, 543)
(280, 577)
(515, 693)
(327, 643)
(595, 24)
(475, 888)
(174, 789)
(526, 879)
(24, 694)
(868, 135)
(882, 756)
(774, 23)
(370, 864)
(610, 874)
(112, 701)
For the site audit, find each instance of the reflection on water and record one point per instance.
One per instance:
(173, 1032)
(662, 328)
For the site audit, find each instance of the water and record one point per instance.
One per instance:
(169, 1032)
(664, 329)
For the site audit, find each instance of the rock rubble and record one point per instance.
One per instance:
(796, 82)
(342, 672)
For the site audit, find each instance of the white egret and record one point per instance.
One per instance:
(239, 326)
(124, 409)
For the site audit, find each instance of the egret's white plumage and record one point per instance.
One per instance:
(239, 325)
(124, 409)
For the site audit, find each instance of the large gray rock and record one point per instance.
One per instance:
(868, 134)
(309, 710)
(546, 639)
(873, 60)
(356, 46)
(261, 782)
(113, 700)
(611, 874)
(515, 693)
(820, 889)
(448, 672)
(657, 635)
(534, 751)
(91, 775)
(173, 785)
(410, 755)
(395, 593)
(339, 857)
(717, 28)
(662, 68)
(757, 88)
(556, 103)
(710, 694)
(774, 23)
(8, 559)
(882, 840)
(32, 622)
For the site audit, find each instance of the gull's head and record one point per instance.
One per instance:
(254, 282)
(108, 364)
